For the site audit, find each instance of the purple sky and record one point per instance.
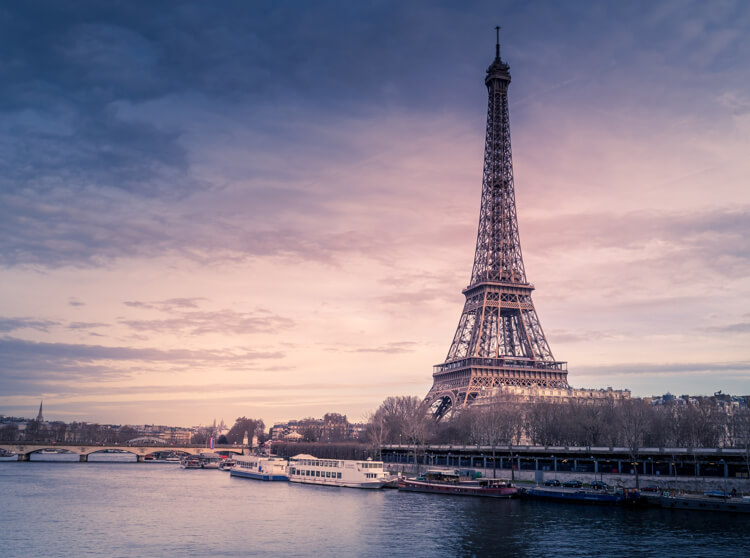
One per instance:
(269, 209)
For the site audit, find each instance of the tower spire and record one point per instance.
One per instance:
(499, 339)
(40, 416)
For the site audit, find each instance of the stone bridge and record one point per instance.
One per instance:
(25, 449)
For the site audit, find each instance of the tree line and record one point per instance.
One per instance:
(634, 422)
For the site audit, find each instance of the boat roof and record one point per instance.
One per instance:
(439, 472)
(305, 456)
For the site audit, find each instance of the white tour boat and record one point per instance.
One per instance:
(260, 468)
(338, 472)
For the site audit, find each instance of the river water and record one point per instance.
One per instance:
(145, 509)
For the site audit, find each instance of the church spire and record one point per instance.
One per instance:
(40, 416)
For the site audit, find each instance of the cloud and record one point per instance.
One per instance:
(578, 336)
(220, 321)
(167, 305)
(184, 319)
(28, 363)
(397, 347)
(659, 369)
(8, 325)
(86, 325)
(740, 327)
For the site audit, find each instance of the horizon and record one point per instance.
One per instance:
(271, 211)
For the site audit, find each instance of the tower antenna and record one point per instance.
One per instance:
(497, 45)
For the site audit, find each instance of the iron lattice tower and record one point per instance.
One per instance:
(499, 340)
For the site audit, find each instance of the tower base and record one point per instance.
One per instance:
(458, 383)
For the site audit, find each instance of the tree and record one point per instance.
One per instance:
(126, 433)
(9, 433)
(253, 427)
(545, 423)
(739, 428)
(500, 423)
(404, 419)
(634, 419)
(376, 431)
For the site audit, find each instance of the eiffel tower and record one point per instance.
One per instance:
(499, 340)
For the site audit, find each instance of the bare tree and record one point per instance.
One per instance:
(634, 419)
(404, 419)
(500, 423)
(546, 423)
(376, 431)
(739, 428)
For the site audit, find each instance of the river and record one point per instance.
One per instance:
(144, 509)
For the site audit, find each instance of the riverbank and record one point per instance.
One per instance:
(688, 484)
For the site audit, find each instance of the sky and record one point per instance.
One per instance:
(269, 209)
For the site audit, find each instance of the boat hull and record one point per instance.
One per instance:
(578, 496)
(236, 472)
(698, 503)
(460, 489)
(375, 485)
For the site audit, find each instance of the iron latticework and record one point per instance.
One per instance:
(499, 340)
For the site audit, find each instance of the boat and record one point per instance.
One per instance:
(202, 461)
(191, 462)
(6, 455)
(349, 473)
(458, 483)
(582, 495)
(227, 464)
(162, 457)
(260, 468)
(711, 503)
(210, 460)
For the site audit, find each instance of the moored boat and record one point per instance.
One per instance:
(6, 455)
(582, 495)
(260, 468)
(210, 460)
(162, 457)
(202, 461)
(456, 484)
(338, 472)
(704, 503)
(190, 462)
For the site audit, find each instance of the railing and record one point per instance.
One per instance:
(513, 363)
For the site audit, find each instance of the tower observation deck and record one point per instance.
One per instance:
(499, 340)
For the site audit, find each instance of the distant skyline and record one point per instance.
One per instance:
(269, 209)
